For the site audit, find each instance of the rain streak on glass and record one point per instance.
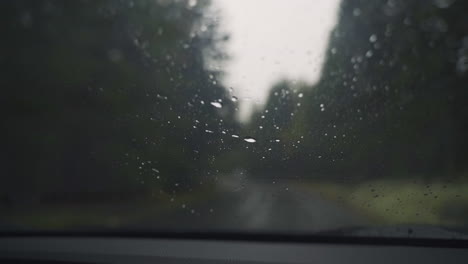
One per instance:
(250, 139)
(344, 113)
(216, 104)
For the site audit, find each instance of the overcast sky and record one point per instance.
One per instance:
(271, 40)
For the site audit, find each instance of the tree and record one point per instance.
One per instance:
(390, 101)
(109, 96)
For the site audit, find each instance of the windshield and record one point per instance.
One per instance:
(278, 117)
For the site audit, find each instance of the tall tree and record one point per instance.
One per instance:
(391, 98)
(105, 96)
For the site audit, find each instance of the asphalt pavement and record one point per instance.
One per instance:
(259, 206)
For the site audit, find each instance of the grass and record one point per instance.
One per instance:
(402, 202)
(386, 202)
(102, 215)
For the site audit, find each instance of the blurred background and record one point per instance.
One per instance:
(258, 116)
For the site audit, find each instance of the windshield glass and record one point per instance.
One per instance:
(287, 117)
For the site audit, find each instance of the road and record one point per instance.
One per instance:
(259, 206)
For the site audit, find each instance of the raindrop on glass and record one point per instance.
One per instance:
(250, 139)
(356, 12)
(216, 104)
(192, 3)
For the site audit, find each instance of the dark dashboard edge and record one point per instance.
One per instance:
(253, 237)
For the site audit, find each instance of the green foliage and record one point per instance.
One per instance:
(103, 95)
(115, 96)
(390, 101)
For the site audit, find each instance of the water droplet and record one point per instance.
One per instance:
(373, 38)
(300, 95)
(356, 12)
(462, 64)
(216, 104)
(333, 50)
(234, 99)
(209, 131)
(250, 139)
(443, 3)
(183, 206)
(155, 170)
(369, 53)
(261, 127)
(277, 140)
(115, 55)
(192, 3)
(235, 136)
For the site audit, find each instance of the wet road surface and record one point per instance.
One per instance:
(261, 207)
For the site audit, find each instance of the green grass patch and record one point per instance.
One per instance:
(403, 202)
(102, 215)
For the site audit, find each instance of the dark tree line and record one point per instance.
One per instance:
(391, 101)
(103, 96)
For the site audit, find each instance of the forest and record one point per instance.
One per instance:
(118, 99)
